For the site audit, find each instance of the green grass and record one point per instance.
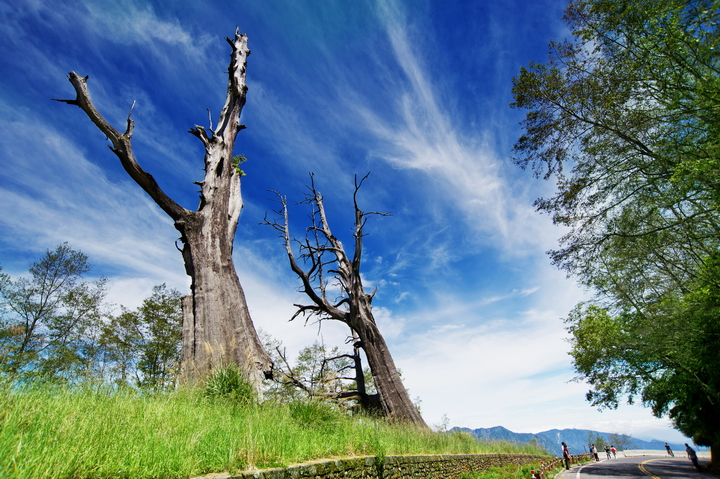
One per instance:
(510, 472)
(60, 432)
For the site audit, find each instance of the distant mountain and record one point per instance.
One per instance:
(576, 439)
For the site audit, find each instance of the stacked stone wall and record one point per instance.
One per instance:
(446, 466)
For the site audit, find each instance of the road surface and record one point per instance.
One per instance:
(637, 468)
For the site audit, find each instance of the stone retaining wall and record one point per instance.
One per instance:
(447, 466)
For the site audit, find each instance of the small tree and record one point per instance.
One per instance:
(48, 320)
(121, 341)
(622, 442)
(327, 260)
(327, 373)
(161, 317)
(142, 347)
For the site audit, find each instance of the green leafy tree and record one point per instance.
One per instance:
(50, 319)
(121, 341)
(622, 442)
(597, 440)
(143, 346)
(161, 318)
(631, 107)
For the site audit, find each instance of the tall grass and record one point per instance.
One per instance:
(61, 432)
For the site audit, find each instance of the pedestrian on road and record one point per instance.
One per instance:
(594, 452)
(669, 451)
(692, 456)
(566, 455)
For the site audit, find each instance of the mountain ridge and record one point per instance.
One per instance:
(576, 439)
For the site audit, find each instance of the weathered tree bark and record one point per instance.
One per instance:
(217, 326)
(355, 308)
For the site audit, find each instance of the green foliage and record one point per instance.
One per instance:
(318, 371)
(229, 382)
(56, 327)
(142, 347)
(48, 321)
(237, 161)
(666, 355)
(632, 106)
(621, 441)
(161, 319)
(122, 341)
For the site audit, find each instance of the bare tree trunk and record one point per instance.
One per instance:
(217, 326)
(394, 398)
(355, 308)
(227, 334)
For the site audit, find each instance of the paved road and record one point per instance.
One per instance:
(637, 468)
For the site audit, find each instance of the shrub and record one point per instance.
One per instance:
(228, 381)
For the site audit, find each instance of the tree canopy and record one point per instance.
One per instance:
(625, 117)
(142, 347)
(55, 325)
(48, 320)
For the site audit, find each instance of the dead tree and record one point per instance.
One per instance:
(325, 255)
(217, 328)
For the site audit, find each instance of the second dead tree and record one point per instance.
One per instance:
(325, 255)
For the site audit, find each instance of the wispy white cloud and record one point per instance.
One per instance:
(502, 369)
(64, 197)
(422, 132)
(137, 24)
(298, 149)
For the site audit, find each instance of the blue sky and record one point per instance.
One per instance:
(415, 92)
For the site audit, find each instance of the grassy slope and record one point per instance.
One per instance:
(58, 432)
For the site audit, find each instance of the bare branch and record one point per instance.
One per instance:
(130, 123)
(321, 304)
(122, 147)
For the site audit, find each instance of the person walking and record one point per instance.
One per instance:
(595, 453)
(692, 456)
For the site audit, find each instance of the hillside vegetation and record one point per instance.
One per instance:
(69, 432)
